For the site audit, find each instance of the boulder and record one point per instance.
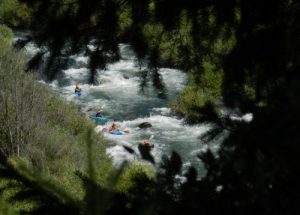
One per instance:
(145, 125)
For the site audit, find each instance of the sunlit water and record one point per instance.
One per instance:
(119, 96)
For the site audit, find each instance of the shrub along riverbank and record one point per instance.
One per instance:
(44, 131)
(48, 137)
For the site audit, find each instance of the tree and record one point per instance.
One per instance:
(254, 171)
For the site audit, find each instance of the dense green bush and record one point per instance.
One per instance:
(14, 13)
(5, 39)
(6, 208)
(131, 173)
(44, 130)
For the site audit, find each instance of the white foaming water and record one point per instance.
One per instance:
(167, 134)
(119, 96)
(245, 118)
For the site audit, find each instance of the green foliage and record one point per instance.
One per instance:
(195, 99)
(14, 13)
(6, 7)
(125, 20)
(5, 40)
(131, 173)
(39, 193)
(153, 34)
(205, 70)
(46, 196)
(192, 103)
(211, 80)
(48, 133)
(6, 208)
(245, 52)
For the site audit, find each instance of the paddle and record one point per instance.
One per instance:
(89, 109)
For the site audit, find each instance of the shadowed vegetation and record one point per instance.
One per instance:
(242, 54)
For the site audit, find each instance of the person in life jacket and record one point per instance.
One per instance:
(147, 143)
(113, 127)
(99, 114)
(77, 89)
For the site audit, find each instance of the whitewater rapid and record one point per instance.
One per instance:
(120, 98)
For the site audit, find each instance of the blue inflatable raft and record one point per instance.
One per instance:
(78, 93)
(99, 118)
(116, 132)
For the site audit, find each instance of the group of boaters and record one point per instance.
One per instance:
(113, 126)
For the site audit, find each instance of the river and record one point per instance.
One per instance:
(120, 98)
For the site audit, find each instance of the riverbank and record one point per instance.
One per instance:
(43, 130)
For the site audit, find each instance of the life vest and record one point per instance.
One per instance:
(77, 90)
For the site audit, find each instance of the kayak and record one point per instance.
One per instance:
(99, 118)
(116, 132)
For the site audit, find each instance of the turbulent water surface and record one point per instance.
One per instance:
(119, 96)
